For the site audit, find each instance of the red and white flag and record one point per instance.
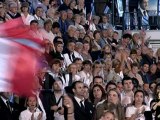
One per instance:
(18, 57)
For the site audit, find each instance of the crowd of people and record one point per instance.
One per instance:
(89, 71)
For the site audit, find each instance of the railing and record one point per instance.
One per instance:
(129, 20)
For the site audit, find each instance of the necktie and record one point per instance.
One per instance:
(9, 107)
(145, 19)
(82, 106)
(73, 57)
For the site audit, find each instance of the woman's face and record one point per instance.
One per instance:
(73, 4)
(59, 48)
(73, 69)
(24, 9)
(139, 98)
(113, 97)
(107, 49)
(32, 102)
(97, 93)
(98, 36)
(98, 67)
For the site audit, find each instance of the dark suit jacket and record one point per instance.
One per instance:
(80, 114)
(152, 20)
(4, 111)
(145, 78)
(48, 99)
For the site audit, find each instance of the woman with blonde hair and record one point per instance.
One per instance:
(112, 103)
(32, 112)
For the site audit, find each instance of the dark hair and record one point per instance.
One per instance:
(38, 8)
(95, 63)
(133, 51)
(134, 65)
(151, 84)
(33, 21)
(76, 59)
(87, 62)
(91, 96)
(95, 32)
(47, 22)
(116, 32)
(75, 83)
(85, 42)
(127, 35)
(71, 41)
(99, 77)
(125, 79)
(143, 103)
(58, 42)
(135, 82)
(56, 39)
(141, 1)
(155, 92)
(55, 25)
(55, 61)
(110, 83)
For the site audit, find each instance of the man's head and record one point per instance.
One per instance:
(71, 45)
(39, 11)
(134, 68)
(13, 7)
(57, 85)
(5, 95)
(78, 63)
(126, 38)
(98, 80)
(145, 67)
(87, 64)
(127, 84)
(143, 4)
(34, 25)
(78, 89)
(55, 65)
(55, 27)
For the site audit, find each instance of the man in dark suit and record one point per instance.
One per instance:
(8, 110)
(143, 17)
(83, 110)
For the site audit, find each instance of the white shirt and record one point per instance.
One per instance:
(126, 99)
(86, 77)
(47, 35)
(27, 19)
(79, 100)
(41, 106)
(132, 110)
(4, 100)
(36, 34)
(26, 115)
(68, 59)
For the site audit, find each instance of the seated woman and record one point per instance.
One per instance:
(111, 104)
(97, 94)
(138, 109)
(155, 103)
(32, 112)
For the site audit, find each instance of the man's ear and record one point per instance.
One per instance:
(73, 90)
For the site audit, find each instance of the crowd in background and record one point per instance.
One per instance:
(88, 70)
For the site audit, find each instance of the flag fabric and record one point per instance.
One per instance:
(18, 58)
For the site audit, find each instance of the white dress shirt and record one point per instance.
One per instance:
(47, 35)
(68, 59)
(27, 19)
